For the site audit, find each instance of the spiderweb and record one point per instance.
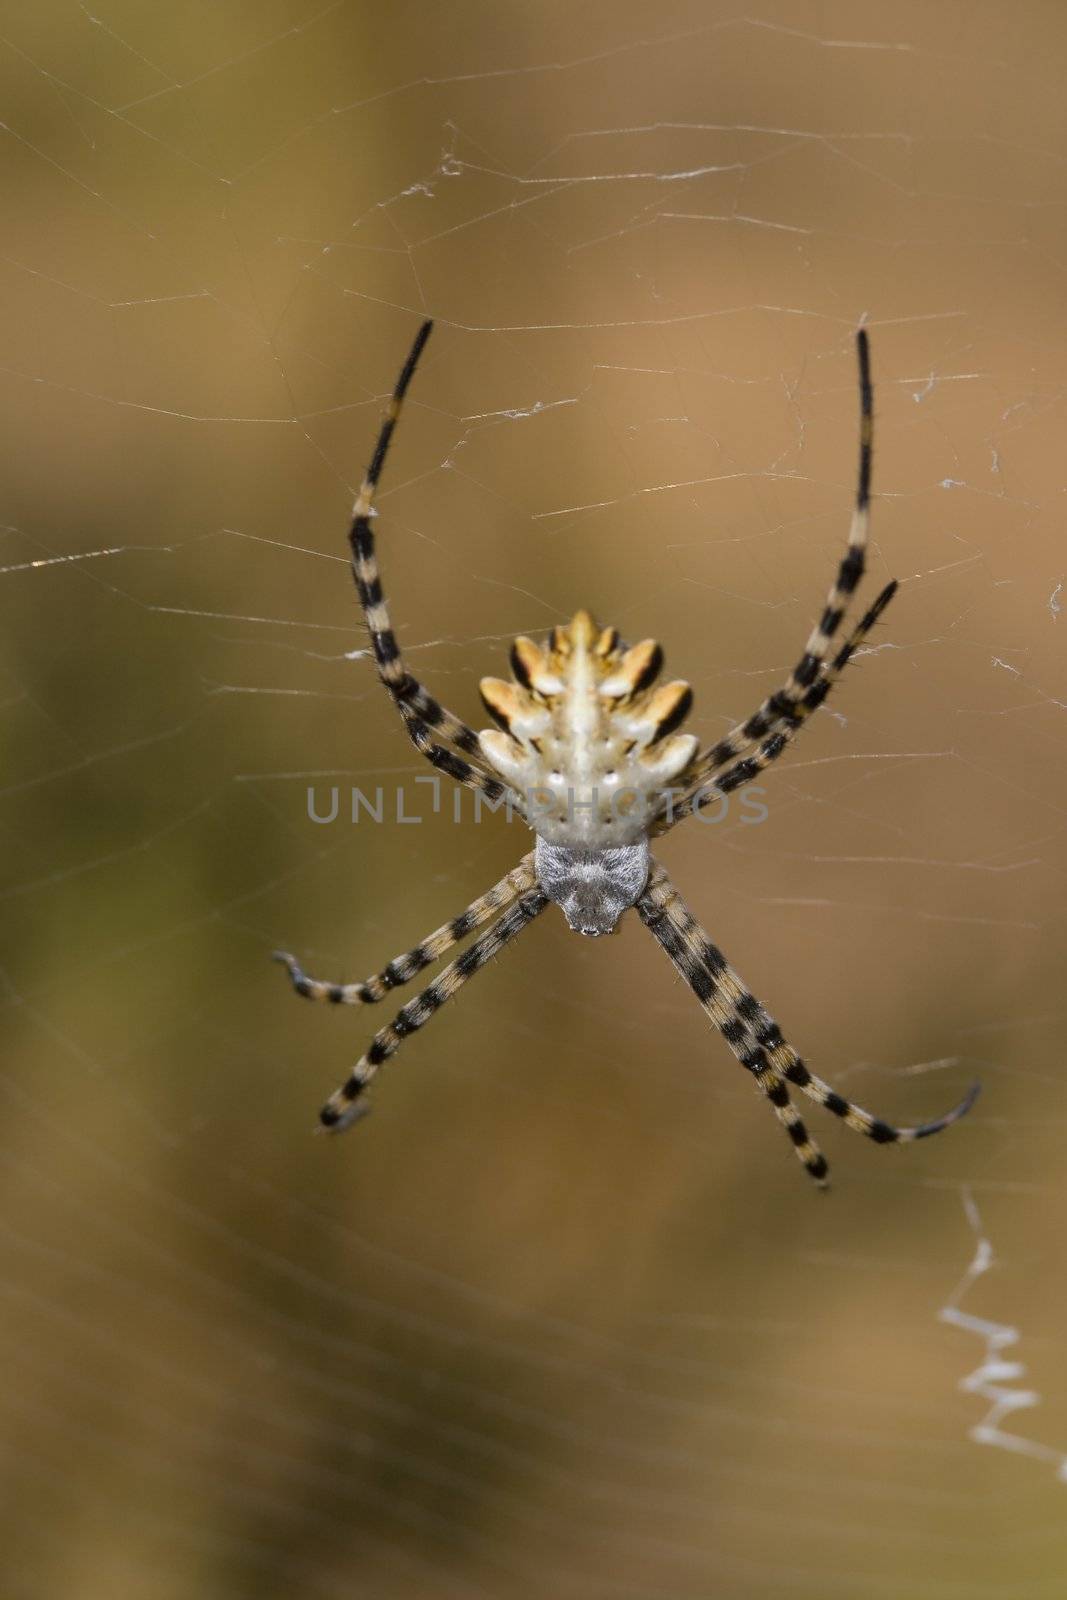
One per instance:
(563, 1318)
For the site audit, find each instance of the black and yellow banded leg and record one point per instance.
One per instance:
(403, 968)
(753, 1032)
(790, 705)
(705, 792)
(666, 918)
(854, 560)
(344, 1105)
(768, 1036)
(423, 715)
(455, 767)
(747, 768)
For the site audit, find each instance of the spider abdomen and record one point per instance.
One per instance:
(585, 737)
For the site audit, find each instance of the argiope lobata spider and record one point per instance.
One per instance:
(584, 749)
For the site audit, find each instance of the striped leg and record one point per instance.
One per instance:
(767, 1034)
(854, 561)
(403, 968)
(422, 714)
(785, 704)
(342, 1108)
(663, 913)
(751, 1032)
(744, 771)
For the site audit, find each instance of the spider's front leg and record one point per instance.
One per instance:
(753, 1035)
(404, 967)
(660, 909)
(344, 1105)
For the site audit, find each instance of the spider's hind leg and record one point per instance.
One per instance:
(777, 720)
(423, 715)
(702, 792)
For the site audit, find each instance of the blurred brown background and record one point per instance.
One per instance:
(564, 1317)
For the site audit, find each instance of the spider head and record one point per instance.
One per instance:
(593, 887)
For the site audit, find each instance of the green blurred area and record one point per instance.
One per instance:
(562, 1317)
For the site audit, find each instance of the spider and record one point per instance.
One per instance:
(584, 732)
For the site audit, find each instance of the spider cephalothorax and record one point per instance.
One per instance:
(592, 887)
(587, 751)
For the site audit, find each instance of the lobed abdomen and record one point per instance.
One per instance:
(584, 735)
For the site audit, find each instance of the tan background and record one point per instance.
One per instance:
(564, 1317)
